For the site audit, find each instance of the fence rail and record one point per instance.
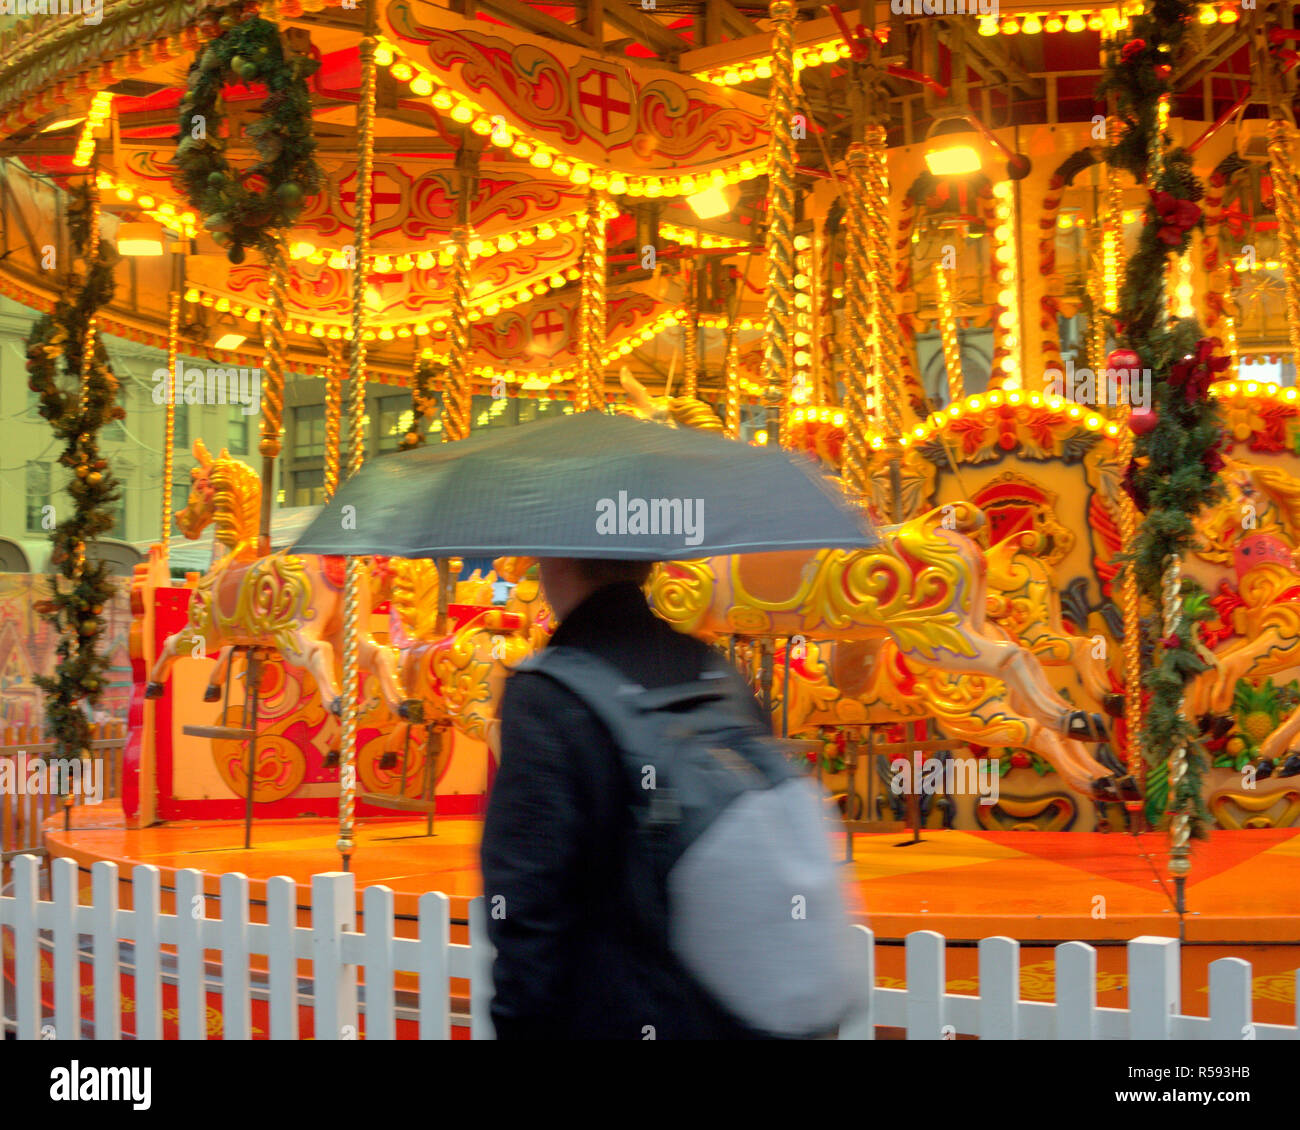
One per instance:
(338, 952)
(23, 813)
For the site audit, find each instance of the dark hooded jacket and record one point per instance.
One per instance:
(574, 959)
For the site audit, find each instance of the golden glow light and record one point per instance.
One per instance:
(952, 160)
(139, 239)
(709, 203)
(229, 341)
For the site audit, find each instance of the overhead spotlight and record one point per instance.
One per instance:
(950, 151)
(139, 239)
(709, 203)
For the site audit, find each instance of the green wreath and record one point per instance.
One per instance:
(424, 401)
(236, 210)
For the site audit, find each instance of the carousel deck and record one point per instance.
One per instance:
(1044, 887)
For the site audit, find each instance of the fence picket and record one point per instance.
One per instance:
(925, 986)
(333, 911)
(1153, 989)
(435, 940)
(861, 1025)
(999, 989)
(27, 967)
(236, 1002)
(145, 902)
(282, 962)
(191, 999)
(67, 968)
(381, 1015)
(1076, 991)
(1230, 1017)
(107, 956)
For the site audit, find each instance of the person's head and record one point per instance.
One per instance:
(568, 581)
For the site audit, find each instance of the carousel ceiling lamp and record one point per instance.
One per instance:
(139, 239)
(709, 203)
(229, 341)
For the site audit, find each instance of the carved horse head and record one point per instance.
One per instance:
(224, 491)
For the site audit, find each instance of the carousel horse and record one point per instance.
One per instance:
(290, 602)
(924, 588)
(1247, 561)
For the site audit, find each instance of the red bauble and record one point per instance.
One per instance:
(1123, 359)
(1142, 420)
(1020, 760)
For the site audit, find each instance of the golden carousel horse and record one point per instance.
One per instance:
(290, 602)
(925, 589)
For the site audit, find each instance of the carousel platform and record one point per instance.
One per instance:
(1039, 886)
(1243, 894)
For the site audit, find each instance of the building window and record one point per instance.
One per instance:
(182, 432)
(237, 431)
(394, 421)
(117, 511)
(309, 431)
(181, 483)
(38, 496)
(309, 487)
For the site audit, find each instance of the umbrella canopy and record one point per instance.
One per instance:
(586, 485)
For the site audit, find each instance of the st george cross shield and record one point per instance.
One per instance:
(606, 102)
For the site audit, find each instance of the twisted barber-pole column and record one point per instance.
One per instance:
(887, 343)
(691, 339)
(1180, 833)
(1128, 602)
(858, 293)
(333, 410)
(169, 425)
(272, 387)
(948, 334)
(732, 377)
(458, 406)
(590, 391)
(778, 355)
(1281, 157)
(357, 453)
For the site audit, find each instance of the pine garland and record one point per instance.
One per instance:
(424, 401)
(1176, 463)
(81, 587)
(247, 209)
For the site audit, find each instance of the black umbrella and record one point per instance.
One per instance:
(586, 485)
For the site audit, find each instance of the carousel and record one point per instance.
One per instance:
(1025, 284)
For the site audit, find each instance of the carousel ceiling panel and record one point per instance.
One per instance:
(613, 114)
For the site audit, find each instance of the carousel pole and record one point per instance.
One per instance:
(333, 410)
(948, 334)
(458, 410)
(890, 393)
(778, 355)
(858, 294)
(1281, 156)
(169, 414)
(356, 454)
(591, 311)
(732, 378)
(272, 386)
(691, 333)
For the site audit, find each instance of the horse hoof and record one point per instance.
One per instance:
(1127, 788)
(412, 709)
(336, 707)
(211, 693)
(388, 760)
(1104, 790)
(1085, 727)
(1221, 726)
(330, 760)
(1113, 704)
(153, 690)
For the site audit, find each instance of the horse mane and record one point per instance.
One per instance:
(1284, 490)
(237, 500)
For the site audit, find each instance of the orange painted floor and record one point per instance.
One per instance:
(1243, 894)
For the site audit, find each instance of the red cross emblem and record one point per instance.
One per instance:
(377, 197)
(544, 327)
(599, 104)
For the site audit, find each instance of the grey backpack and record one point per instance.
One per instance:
(731, 842)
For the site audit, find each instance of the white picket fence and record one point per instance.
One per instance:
(337, 951)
